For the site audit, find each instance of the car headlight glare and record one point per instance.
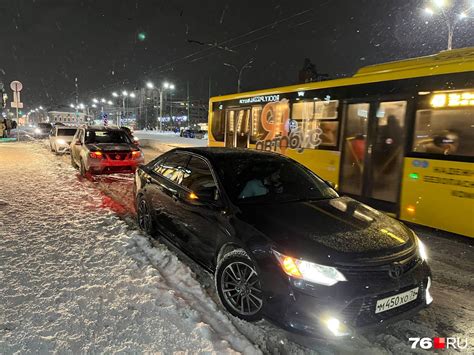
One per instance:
(61, 141)
(312, 272)
(422, 250)
(37, 131)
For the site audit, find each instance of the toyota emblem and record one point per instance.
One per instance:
(395, 271)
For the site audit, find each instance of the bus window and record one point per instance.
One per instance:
(355, 144)
(448, 131)
(317, 115)
(218, 125)
(387, 152)
(257, 131)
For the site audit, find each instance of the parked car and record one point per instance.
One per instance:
(60, 138)
(281, 242)
(129, 131)
(104, 150)
(188, 133)
(42, 130)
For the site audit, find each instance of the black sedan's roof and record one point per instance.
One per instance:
(219, 152)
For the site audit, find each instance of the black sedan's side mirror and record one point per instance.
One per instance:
(206, 196)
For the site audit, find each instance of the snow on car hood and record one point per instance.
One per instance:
(343, 228)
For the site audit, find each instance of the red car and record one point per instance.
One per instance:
(104, 150)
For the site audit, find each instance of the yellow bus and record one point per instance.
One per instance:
(398, 136)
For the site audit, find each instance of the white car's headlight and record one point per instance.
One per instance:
(61, 142)
(422, 250)
(37, 131)
(312, 272)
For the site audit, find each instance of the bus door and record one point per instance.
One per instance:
(372, 152)
(237, 128)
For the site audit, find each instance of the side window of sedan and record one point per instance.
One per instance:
(173, 167)
(199, 179)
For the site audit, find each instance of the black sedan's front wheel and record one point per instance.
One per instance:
(238, 286)
(144, 218)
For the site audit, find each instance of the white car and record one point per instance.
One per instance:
(60, 139)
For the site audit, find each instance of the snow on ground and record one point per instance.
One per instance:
(75, 278)
(78, 276)
(170, 138)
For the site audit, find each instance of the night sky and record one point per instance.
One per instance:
(47, 43)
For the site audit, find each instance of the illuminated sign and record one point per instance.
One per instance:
(258, 99)
(458, 99)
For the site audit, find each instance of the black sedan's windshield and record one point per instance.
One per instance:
(116, 137)
(268, 179)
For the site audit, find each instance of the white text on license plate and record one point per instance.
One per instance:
(396, 301)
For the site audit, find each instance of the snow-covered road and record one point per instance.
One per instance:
(77, 276)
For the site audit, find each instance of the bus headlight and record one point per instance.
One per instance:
(312, 272)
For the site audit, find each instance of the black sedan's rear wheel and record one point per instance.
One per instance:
(144, 217)
(239, 287)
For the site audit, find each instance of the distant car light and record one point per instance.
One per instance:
(312, 272)
(37, 131)
(61, 142)
(136, 139)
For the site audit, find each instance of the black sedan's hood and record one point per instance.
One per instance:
(334, 231)
(110, 147)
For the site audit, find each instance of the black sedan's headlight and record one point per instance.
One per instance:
(308, 271)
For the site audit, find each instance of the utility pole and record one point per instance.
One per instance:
(189, 117)
(210, 87)
(76, 84)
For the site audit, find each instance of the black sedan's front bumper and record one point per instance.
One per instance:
(306, 308)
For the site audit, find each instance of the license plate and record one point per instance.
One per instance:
(395, 301)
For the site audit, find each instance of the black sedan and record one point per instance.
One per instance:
(281, 242)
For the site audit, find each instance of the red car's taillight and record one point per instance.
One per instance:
(136, 154)
(96, 155)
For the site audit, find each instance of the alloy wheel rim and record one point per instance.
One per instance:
(143, 216)
(241, 288)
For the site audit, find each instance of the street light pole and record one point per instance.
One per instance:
(450, 18)
(240, 71)
(161, 108)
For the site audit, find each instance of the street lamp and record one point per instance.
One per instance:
(124, 95)
(240, 71)
(165, 86)
(150, 85)
(448, 15)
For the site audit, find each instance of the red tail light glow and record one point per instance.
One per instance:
(96, 155)
(136, 154)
